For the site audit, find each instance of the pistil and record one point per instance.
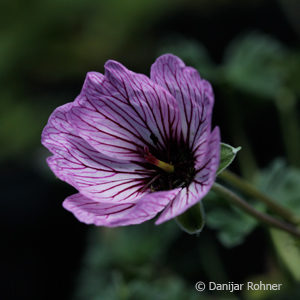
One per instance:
(160, 164)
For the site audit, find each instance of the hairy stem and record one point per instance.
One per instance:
(235, 199)
(250, 190)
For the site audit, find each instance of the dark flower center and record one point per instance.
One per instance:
(173, 167)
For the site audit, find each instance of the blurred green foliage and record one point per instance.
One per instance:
(255, 64)
(135, 263)
(232, 225)
(125, 264)
(281, 182)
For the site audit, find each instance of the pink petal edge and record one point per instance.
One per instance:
(113, 215)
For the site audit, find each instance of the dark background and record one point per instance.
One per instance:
(46, 48)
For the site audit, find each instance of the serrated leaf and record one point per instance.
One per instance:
(227, 156)
(192, 221)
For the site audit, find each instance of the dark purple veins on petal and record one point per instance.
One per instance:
(180, 156)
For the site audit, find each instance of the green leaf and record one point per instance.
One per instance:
(231, 223)
(288, 249)
(192, 221)
(255, 64)
(227, 156)
(282, 183)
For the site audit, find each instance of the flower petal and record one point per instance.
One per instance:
(122, 112)
(112, 215)
(202, 183)
(193, 94)
(90, 172)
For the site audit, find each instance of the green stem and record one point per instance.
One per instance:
(250, 190)
(235, 199)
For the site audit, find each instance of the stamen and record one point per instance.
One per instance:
(148, 184)
(161, 164)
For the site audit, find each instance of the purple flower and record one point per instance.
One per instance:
(134, 147)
